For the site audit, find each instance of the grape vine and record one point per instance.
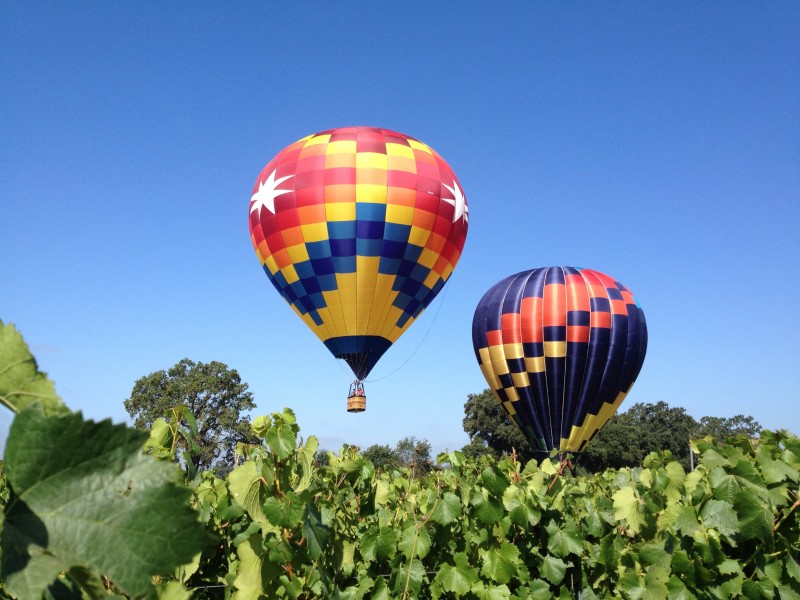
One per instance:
(280, 526)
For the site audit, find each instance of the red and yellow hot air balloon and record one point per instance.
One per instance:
(358, 228)
(560, 348)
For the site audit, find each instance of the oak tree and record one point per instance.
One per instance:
(216, 397)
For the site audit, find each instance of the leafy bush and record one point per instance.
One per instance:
(285, 527)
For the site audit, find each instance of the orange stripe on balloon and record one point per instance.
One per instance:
(577, 333)
(372, 176)
(282, 258)
(555, 306)
(618, 307)
(600, 319)
(494, 338)
(314, 213)
(340, 160)
(577, 294)
(292, 236)
(510, 325)
(340, 193)
(530, 321)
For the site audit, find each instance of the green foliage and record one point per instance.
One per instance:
(501, 529)
(81, 500)
(137, 515)
(723, 428)
(625, 440)
(205, 400)
(287, 527)
(21, 382)
(490, 430)
(630, 436)
(408, 452)
(382, 456)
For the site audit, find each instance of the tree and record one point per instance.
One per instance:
(490, 429)
(415, 454)
(409, 452)
(723, 428)
(213, 393)
(629, 437)
(382, 457)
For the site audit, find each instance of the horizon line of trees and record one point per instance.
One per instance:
(211, 397)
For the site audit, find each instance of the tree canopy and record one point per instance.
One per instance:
(212, 392)
(409, 452)
(490, 429)
(630, 436)
(625, 441)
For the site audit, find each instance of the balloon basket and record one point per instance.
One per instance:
(356, 404)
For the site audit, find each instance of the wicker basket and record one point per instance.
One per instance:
(356, 404)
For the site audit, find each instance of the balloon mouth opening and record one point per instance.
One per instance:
(360, 352)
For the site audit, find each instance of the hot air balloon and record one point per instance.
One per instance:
(560, 348)
(358, 228)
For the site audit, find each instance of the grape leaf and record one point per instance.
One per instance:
(494, 481)
(561, 542)
(84, 494)
(490, 592)
(21, 382)
(305, 460)
(447, 510)
(487, 511)
(792, 568)
(415, 541)
(520, 511)
(755, 518)
(246, 486)
(378, 544)
(553, 569)
(315, 532)
(628, 506)
(254, 569)
(721, 516)
(500, 564)
(459, 578)
(281, 438)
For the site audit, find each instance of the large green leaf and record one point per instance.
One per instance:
(520, 510)
(487, 510)
(21, 382)
(565, 540)
(247, 488)
(254, 570)
(84, 494)
(494, 480)
(628, 506)
(447, 509)
(415, 541)
(755, 518)
(553, 569)
(500, 564)
(721, 516)
(775, 471)
(490, 592)
(378, 544)
(286, 511)
(457, 579)
(315, 532)
(408, 579)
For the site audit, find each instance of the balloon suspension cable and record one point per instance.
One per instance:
(424, 337)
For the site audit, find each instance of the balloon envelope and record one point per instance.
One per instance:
(358, 229)
(560, 348)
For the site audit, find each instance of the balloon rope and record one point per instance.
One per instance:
(424, 337)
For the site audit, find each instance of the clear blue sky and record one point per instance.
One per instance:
(656, 142)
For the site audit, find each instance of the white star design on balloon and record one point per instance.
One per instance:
(266, 194)
(458, 202)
